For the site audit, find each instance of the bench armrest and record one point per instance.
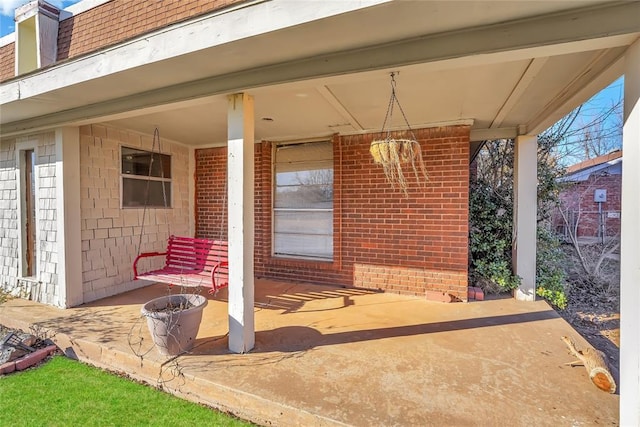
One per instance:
(214, 283)
(144, 255)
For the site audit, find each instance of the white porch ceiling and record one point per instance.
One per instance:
(501, 65)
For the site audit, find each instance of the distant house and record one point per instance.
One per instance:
(591, 199)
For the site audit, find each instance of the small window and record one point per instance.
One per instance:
(146, 179)
(303, 201)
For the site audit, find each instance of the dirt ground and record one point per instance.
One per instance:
(593, 307)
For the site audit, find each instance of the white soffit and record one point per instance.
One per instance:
(246, 23)
(505, 47)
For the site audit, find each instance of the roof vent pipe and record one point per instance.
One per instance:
(36, 36)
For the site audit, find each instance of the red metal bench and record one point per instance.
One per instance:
(190, 262)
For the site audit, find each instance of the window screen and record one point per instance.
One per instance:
(303, 201)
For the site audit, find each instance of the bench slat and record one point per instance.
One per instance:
(191, 262)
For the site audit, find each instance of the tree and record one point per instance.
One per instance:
(591, 135)
(491, 215)
(579, 136)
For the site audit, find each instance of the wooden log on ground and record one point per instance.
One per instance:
(595, 363)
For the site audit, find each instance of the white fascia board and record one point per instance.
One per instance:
(8, 39)
(9, 91)
(232, 24)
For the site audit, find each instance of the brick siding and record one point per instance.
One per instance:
(579, 197)
(114, 22)
(382, 240)
(110, 234)
(7, 62)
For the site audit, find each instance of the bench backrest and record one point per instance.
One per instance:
(194, 255)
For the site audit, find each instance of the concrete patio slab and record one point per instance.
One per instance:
(334, 356)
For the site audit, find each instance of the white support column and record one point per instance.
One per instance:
(525, 201)
(68, 217)
(630, 245)
(240, 178)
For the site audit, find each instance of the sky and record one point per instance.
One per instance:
(598, 125)
(588, 113)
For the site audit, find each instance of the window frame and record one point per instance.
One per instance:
(132, 176)
(274, 210)
(20, 149)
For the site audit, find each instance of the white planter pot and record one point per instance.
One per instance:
(174, 332)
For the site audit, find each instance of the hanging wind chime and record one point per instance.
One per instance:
(392, 153)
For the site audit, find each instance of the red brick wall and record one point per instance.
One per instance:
(119, 20)
(7, 62)
(579, 197)
(211, 173)
(114, 22)
(382, 240)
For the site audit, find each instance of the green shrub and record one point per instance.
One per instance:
(557, 298)
(550, 274)
(491, 221)
(498, 273)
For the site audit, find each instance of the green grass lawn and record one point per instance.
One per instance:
(64, 392)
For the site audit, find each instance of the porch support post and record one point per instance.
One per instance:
(69, 268)
(240, 178)
(630, 245)
(525, 200)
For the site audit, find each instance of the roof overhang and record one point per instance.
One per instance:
(506, 68)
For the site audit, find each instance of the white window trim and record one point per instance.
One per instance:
(21, 147)
(274, 149)
(143, 178)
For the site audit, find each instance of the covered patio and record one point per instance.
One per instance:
(336, 356)
(231, 86)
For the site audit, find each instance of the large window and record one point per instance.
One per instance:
(303, 201)
(142, 170)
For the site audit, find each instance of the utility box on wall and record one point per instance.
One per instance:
(600, 196)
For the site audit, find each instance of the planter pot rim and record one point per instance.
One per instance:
(388, 140)
(198, 301)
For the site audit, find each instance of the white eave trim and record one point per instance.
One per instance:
(8, 39)
(215, 29)
(611, 25)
